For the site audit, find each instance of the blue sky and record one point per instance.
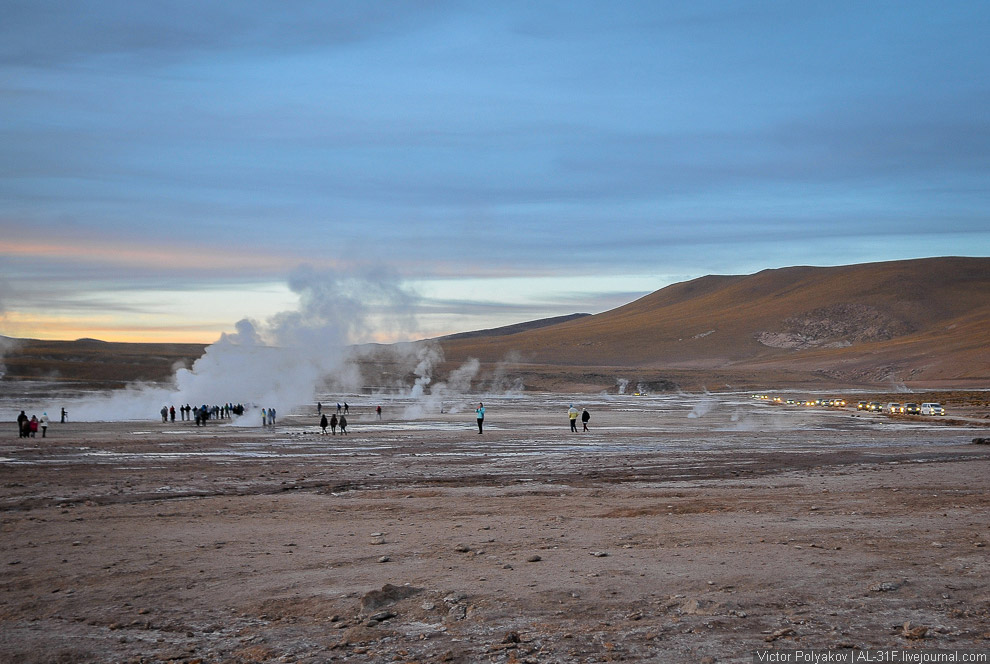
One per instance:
(166, 167)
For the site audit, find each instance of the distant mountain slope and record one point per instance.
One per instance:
(513, 329)
(902, 319)
(103, 363)
(925, 320)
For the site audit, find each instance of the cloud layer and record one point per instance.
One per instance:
(176, 146)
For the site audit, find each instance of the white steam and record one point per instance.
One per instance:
(278, 363)
(704, 406)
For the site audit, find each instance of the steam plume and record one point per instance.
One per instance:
(278, 363)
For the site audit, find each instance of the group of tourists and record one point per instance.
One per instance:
(572, 415)
(28, 427)
(201, 413)
(333, 423)
(267, 417)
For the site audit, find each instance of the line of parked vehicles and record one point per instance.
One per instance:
(896, 408)
(892, 408)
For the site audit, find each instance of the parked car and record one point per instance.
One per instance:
(874, 407)
(912, 409)
(894, 408)
(932, 409)
(861, 405)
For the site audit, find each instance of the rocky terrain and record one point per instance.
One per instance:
(679, 529)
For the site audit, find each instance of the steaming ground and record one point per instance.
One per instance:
(680, 527)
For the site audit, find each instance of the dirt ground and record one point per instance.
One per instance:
(679, 529)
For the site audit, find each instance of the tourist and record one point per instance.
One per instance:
(572, 415)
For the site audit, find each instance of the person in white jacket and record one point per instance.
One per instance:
(43, 424)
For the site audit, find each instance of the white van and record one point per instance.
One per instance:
(932, 409)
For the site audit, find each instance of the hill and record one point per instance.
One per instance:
(924, 322)
(913, 320)
(93, 363)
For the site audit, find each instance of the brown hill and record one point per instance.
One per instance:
(87, 363)
(914, 320)
(924, 322)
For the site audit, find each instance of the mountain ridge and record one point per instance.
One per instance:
(898, 321)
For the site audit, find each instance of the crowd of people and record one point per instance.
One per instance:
(28, 427)
(201, 414)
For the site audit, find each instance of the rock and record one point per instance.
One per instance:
(534, 559)
(913, 633)
(779, 634)
(699, 607)
(385, 559)
(389, 594)
(462, 548)
(885, 587)
(511, 637)
(381, 616)
(599, 554)
(981, 441)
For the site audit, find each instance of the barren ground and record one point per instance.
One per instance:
(678, 530)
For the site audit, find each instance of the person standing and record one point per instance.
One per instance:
(343, 425)
(480, 413)
(347, 408)
(264, 417)
(44, 424)
(378, 410)
(33, 425)
(323, 424)
(319, 408)
(585, 416)
(572, 415)
(21, 424)
(333, 424)
(164, 414)
(65, 415)
(171, 413)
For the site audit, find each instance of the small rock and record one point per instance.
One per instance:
(511, 637)
(779, 634)
(534, 559)
(599, 554)
(389, 594)
(462, 548)
(885, 587)
(913, 633)
(938, 545)
(385, 559)
(382, 616)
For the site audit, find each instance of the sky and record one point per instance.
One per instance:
(166, 168)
